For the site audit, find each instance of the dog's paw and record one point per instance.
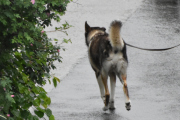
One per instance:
(128, 106)
(111, 105)
(105, 108)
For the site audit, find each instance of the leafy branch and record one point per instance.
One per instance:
(27, 56)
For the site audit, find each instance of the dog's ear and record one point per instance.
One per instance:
(87, 27)
(104, 29)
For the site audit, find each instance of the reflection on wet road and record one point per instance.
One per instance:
(155, 25)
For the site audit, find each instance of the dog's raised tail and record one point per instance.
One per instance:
(115, 37)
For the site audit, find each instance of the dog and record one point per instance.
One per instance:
(107, 56)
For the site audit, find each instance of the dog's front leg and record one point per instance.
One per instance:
(104, 79)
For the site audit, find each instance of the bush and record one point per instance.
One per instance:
(27, 56)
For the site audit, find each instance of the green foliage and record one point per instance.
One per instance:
(27, 55)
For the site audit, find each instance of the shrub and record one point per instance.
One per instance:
(27, 56)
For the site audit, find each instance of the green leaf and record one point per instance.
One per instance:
(15, 112)
(4, 22)
(36, 102)
(39, 113)
(7, 106)
(6, 2)
(25, 113)
(55, 82)
(30, 117)
(5, 81)
(49, 81)
(48, 112)
(51, 117)
(48, 100)
(25, 77)
(40, 109)
(21, 89)
(56, 40)
(8, 96)
(44, 105)
(42, 95)
(67, 40)
(27, 105)
(35, 118)
(17, 15)
(57, 79)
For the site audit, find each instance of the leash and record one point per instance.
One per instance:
(163, 49)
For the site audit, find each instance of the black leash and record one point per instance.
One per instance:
(163, 49)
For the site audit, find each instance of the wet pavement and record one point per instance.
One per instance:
(153, 77)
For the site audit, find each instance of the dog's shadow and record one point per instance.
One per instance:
(111, 115)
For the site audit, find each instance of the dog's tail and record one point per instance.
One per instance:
(115, 37)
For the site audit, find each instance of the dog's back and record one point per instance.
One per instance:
(99, 50)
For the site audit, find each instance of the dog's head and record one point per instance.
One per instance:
(92, 31)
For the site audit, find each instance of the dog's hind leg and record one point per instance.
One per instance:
(113, 85)
(101, 86)
(126, 93)
(121, 73)
(104, 79)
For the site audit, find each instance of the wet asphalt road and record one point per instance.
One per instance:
(153, 77)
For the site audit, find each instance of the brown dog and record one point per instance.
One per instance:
(107, 56)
